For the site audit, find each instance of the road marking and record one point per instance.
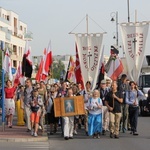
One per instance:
(36, 145)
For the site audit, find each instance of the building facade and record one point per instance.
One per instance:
(12, 35)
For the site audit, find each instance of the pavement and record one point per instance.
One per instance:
(19, 133)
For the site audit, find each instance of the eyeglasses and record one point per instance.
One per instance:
(52, 91)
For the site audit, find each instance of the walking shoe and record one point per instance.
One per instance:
(86, 133)
(28, 130)
(35, 134)
(75, 132)
(135, 133)
(116, 137)
(71, 137)
(32, 132)
(111, 135)
(103, 132)
(98, 136)
(129, 129)
(131, 132)
(123, 130)
(66, 138)
(40, 127)
(94, 136)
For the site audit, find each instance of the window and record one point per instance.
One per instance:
(14, 50)
(21, 28)
(146, 80)
(14, 63)
(8, 18)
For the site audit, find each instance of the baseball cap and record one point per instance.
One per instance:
(103, 82)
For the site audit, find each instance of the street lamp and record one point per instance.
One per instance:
(128, 5)
(113, 15)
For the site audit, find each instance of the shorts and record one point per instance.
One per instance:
(34, 117)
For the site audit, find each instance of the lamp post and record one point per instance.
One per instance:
(113, 15)
(128, 10)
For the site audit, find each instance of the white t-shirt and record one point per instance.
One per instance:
(93, 106)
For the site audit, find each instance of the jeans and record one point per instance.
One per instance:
(133, 115)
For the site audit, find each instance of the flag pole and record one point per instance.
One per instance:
(3, 106)
(113, 79)
(87, 31)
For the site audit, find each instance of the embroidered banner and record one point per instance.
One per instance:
(134, 37)
(90, 53)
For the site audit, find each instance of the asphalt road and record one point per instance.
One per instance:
(82, 142)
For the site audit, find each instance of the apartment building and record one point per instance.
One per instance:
(12, 35)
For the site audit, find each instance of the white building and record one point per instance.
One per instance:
(12, 32)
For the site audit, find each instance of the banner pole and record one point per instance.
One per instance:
(3, 105)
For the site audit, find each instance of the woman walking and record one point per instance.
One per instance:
(9, 102)
(95, 115)
(132, 100)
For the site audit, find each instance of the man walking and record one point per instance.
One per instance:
(113, 101)
(27, 99)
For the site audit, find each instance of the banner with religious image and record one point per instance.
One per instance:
(134, 37)
(89, 48)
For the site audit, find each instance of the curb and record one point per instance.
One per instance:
(35, 139)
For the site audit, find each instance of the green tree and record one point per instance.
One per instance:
(57, 68)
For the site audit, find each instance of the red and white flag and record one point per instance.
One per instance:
(114, 66)
(39, 73)
(115, 69)
(27, 62)
(47, 62)
(18, 78)
(7, 65)
(78, 70)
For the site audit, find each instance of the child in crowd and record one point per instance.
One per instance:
(36, 107)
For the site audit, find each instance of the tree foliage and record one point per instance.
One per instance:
(57, 69)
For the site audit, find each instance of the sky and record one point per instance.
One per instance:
(52, 20)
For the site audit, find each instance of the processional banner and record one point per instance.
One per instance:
(89, 47)
(134, 37)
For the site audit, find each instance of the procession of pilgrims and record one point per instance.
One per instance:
(112, 107)
(109, 108)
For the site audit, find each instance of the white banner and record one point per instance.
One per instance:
(90, 53)
(134, 37)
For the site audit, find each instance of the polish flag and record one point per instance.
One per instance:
(47, 62)
(116, 68)
(27, 62)
(18, 77)
(7, 65)
(39, 73)
(78, 70)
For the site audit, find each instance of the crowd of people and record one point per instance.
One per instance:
(112, 107)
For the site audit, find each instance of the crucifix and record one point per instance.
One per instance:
(134, 42)
(89, 55)
(134, 69)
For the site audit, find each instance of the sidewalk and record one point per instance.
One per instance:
(19, 134)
